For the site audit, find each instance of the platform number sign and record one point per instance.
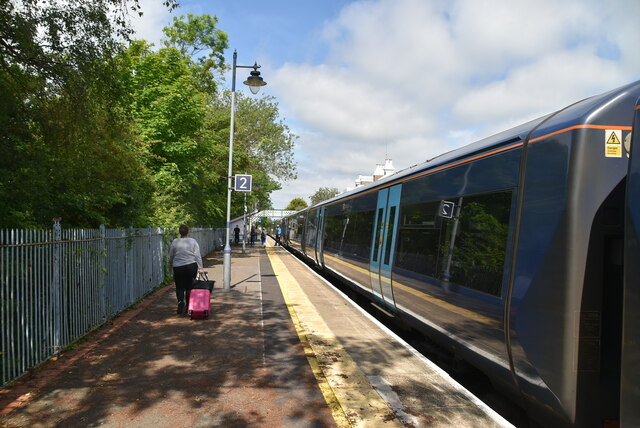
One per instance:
(446, 209)
(242, 183)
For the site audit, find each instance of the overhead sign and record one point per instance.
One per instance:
(446, 209)
(242, 183)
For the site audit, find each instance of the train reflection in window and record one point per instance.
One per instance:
(468, 249)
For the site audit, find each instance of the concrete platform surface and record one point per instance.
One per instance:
(281, 349)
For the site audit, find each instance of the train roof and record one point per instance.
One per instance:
(587, 111)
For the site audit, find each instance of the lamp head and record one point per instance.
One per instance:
(254, 81)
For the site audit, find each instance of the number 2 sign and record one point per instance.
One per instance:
(242, 183)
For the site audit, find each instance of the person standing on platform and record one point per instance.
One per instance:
(236, 233)
(263, 238)
(278, 233)
(253, 235)
(185, 261)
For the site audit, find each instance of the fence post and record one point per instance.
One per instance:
(130, 264)
(56, 292)
(102, 275)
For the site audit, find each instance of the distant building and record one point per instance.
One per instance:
(388, 167)
(382, 170)
(379, 172)
(363, 180)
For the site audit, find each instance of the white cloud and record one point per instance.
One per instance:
(343, 105)
(529, 91)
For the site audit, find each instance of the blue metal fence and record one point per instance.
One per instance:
(57, 285)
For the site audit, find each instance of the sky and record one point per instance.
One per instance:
(361, 81)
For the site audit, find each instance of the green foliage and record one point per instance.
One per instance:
(54, 39)
(264, 223)
(297, 204)
(197, 38)
(323, 194)
(185, 128)
(94, 131)
(68, 152)
(263, 146)
(482, 240)
(170, 112)
(67, 146)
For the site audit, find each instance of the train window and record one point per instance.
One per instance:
(310, 238)
(468, 249)
(420, 238)
(392, 221)
(349, 225)
(297, 229)
(376, 241)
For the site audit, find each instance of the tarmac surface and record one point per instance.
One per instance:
(280, 349)
(152, 368)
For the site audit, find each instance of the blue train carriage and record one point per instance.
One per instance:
(508, 251)
(630, 376)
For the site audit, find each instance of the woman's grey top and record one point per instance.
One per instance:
(185, 251)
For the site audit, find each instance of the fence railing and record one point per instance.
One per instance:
(57, 285)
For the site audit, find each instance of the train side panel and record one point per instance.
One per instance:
(566, 297)
(450, 267)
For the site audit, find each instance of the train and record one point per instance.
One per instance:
(519, 253)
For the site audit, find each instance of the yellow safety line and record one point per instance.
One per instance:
(336, 409)
(351, 397)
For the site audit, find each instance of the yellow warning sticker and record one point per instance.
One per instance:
(612, 143)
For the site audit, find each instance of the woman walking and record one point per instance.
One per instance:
(185, 261)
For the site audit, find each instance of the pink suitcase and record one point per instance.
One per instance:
(199, 297)
(199, 305)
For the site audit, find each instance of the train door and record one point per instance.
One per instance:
(383, 244)
(319, 236)
(630, 371)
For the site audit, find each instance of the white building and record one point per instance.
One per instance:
(382, 170)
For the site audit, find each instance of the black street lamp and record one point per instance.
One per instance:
(255, 82)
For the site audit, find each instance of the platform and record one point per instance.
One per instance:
(282, 348)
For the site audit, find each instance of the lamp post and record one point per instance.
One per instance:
(254, 81)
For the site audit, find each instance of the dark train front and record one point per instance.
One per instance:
(630, 376)
(510, 252)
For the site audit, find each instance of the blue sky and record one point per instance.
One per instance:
(358, 81)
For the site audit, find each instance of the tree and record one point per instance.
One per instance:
(323, 194)
(170, 111)
(67, 143)
(75, 159)
(185, 127)
(198, 38)
(53, 38)
(263, 146)
(297, 204)
(96, 131)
